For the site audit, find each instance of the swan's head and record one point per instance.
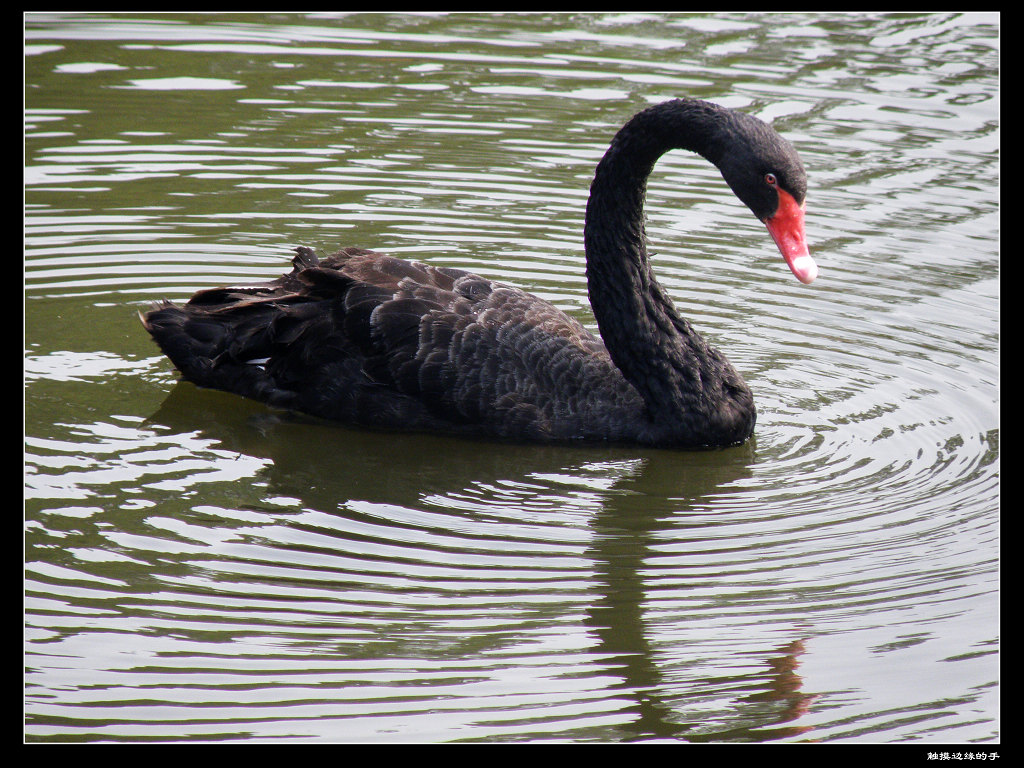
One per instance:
(765, 172)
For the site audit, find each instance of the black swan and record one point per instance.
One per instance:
(374, 341)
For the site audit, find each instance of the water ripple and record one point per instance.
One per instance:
(199, 567)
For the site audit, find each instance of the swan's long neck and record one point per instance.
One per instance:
(681, 379)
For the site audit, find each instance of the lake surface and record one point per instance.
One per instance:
(200, 567)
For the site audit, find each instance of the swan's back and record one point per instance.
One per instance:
(372, 340)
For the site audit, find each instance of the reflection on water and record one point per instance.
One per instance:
(199, 567)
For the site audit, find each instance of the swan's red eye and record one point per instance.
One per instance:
(770, 179)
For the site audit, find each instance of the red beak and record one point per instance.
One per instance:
(787, 229)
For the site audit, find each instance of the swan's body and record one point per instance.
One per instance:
(371, 340)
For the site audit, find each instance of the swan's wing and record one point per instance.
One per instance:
(370, 339)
